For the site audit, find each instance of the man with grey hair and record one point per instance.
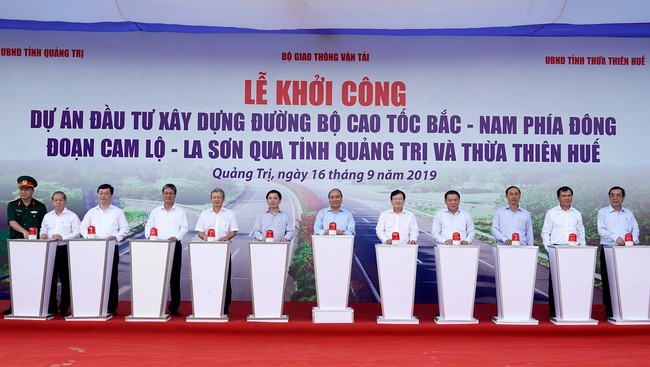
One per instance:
(223, 222)
(60, 224)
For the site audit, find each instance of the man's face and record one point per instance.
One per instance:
(336, 199)
(273, 201)
(58, 202)
(104, 196)
(25, 192)
(513, 195)
(398, 202)
(217, 199)
(565, 198)
(616, 198)
(169, 196)
(452, 202)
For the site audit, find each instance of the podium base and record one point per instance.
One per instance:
(557, 321)
(440, 320)
(411, 320)
(614, 321)
(192, 318)
(253, 318)
(89, 318)
(502, 321)
(163, 318)
(31, 318)
(342, 316)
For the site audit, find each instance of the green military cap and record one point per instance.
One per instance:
(27, 181)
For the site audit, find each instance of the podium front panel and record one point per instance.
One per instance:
(209, 262)
(628, 268)
(31, 263)
(397, 265)
(456, 272)
(151, 263)
(332, 268)
(573, 270)
(268, 276)
(515, 275)
(90, 262)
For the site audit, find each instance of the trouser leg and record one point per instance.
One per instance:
(175, 277)
(113, 295)
(607, 297)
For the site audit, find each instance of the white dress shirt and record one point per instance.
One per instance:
(223, 222)
(445, 224)
(169, 223)
(109, 222)
(559, 223)
(403, 222)
(65, 224)
(613, 224)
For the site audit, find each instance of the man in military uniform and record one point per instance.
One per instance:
(24, 212)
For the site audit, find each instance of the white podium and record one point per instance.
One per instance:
(268, 276)
(396, 265)
(572, 271)
(91, 264)
(456, 272)
(209, 262)
(332, 267)
(629, 283)
(515, 273)
(151, 267)
(31, 263)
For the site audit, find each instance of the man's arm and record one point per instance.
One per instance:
(414, 231)
(288, 228)
(635, 230)
(319, 227)
(123, 224)
(582, 241)
(83, 227)
(546, 230)
(601, 223)
(257, 228)
(151, 223)
(351, 231)
(530, 235)
(74, 227)
(380, 229)
(470, 229)
(436, 229)
(182, 230)
(496, 227)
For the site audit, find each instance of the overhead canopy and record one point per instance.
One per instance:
(625, 18)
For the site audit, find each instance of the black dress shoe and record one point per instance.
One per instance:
(7, 311)
(65, 313)
(174, 312)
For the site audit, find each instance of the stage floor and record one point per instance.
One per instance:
(302, 343)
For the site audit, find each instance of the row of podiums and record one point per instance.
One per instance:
(572, 269)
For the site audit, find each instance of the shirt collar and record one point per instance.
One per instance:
(162, 207)
(341, 209)
(457, 211)
(31, 202)
(507, 207)
(611, 209)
